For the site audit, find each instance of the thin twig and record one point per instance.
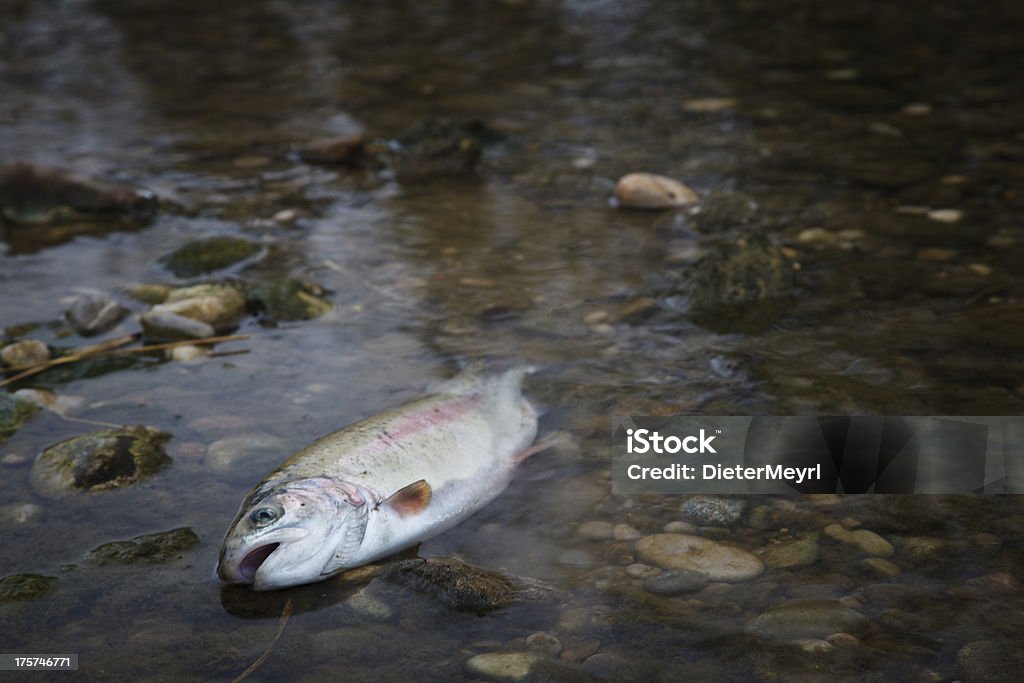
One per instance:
(108, 349)
(285, 613)
(338, 268)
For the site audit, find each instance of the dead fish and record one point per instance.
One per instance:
(381, 485)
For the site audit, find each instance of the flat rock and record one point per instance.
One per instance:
(149, 549)
(868, 541)
(462, 586)
(719, 561)
(799, 553)
(25, 586)
(209, 255)
(510, 666)
(800, 619)
(676, 582)
(99, 460)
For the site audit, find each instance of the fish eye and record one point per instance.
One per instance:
(264, 516)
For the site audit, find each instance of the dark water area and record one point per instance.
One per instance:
(878, 146)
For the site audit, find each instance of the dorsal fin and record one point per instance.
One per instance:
(410, 500)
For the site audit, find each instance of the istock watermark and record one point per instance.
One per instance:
(818, 454)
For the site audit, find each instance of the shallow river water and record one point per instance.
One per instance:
(879, 144)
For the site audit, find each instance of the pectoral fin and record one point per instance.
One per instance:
(410, 500)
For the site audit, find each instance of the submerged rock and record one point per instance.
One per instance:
(512, 666)
(799, 553)
(35, 194)
(650, 191)
(348, 149)
(989, 661)
(720, 562)
(92, 314)
(24, 352)
(742, 271)
(438, 147)
(13, 413)
(208, 255)
(676, 582)
(25, 586)
(799, 619)
(150, 548)
(462, 586)
(868, 541)
(100, 460)
(289, 299)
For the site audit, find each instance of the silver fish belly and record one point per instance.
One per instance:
(381, 485)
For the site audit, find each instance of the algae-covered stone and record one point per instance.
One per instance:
(798, 619)
(737, 272)
(13, 413)
(511, 666)
(289, 299)
(100, 460)
(462, 586)
(150, 548)
(866, 540)
(438, 147)
(790, 554)
(25, 586)
(208, 255)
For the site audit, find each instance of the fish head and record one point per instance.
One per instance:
(289, 534)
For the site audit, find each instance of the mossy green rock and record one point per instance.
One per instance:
(741, 271)
(99, 460)
(13, 413)
(25, 586)
(289, 299)
(150, 548)
(208, 255)
(740, 285)
(438, 147)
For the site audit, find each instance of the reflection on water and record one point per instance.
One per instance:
(882, 148)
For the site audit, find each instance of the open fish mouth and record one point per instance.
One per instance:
(254, 560)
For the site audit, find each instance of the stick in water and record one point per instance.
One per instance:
(285, 613)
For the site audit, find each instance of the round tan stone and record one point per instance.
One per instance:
(721, 562)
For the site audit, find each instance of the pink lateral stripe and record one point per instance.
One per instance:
(420, 421)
